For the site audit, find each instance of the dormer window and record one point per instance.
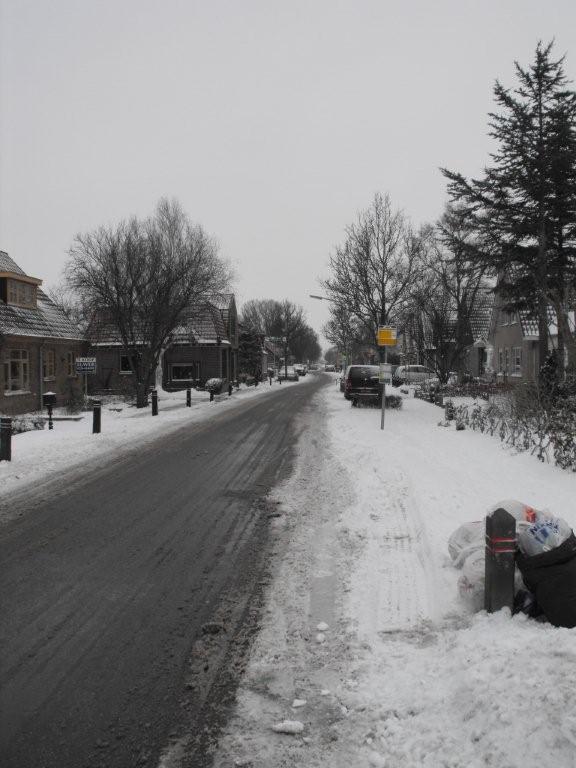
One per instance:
(22, 294)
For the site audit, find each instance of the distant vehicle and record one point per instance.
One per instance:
(300, 369)
(362, 385)
(329, 368)
(288, 374)
(412, 374)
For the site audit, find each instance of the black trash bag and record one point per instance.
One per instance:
(551, 577)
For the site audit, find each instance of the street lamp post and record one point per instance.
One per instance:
(327, 298)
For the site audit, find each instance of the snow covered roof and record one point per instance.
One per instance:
(9, 265)
(45, 320)
(201, 325)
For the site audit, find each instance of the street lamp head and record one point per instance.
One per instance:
(321, 298)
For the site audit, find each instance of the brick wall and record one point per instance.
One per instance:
(68, 388)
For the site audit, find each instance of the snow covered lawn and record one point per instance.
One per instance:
(363, 623)
(41, 454)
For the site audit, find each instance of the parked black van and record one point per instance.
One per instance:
(362, 384)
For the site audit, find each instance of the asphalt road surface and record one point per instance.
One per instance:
(128, 594)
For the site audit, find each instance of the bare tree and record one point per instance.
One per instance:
(448, 291)
(285, 321)
(372, 272)
(139, 279)
(345, 331)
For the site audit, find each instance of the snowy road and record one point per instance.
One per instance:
(128, 594)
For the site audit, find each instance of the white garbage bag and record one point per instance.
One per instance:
(545, 533)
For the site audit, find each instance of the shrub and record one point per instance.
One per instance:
(22, 424)
(393, 401)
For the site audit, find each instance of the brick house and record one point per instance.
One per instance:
(204, 346)
(514, 336)
(38, 344)
(417, 343)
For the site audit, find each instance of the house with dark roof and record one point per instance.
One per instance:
(204, 346)
(419, 342)
(38, 344)
(514, 348)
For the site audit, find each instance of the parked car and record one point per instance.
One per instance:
(288, 374)
(300, 369)
(361, 384)
(330, 368)
(412, 374)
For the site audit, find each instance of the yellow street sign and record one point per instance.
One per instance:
(386, 336)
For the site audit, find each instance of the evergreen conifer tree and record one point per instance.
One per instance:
(524, 206)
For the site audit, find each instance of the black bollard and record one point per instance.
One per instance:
(230, 389)
(188, 398)
(96, 417)
(154, 403)
(5, 438)
(211, 395)
(500, 553)
(50, 422)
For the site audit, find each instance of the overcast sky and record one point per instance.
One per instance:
(272, 122)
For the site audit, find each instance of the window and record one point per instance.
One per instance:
(48, 364)
(23, 294)
(185, 371)
(16, 371)
(507, 360)
(125, 362)
(500, 360)
(517, 360)
(70, 364)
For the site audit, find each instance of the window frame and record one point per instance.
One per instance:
(71, 365)
(48, 365)
(195, 365)
(21, 294)
(516, 361)
(20, 358)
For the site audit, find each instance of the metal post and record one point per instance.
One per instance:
(500, 552)
(230, 389)
(97, 417)
(50, 423)
(211, 395)
(154, 402)
(188, 398)
(383, 357)
(5, 438)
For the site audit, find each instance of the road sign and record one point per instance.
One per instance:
(85, 365)
(386, 336)
(385, 375)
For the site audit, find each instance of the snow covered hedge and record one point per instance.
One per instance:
(26, 424)
(543, 423)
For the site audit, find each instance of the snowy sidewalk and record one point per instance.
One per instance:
(404, 676)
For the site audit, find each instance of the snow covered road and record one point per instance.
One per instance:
(404, 676)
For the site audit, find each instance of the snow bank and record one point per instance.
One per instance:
(407, 676)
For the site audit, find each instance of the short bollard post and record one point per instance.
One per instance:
(211, 395)
(5, 438)
(449, 410)
(500, 552)
(188, 398)
(230, 390)
(97, 417)
(154, 403)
